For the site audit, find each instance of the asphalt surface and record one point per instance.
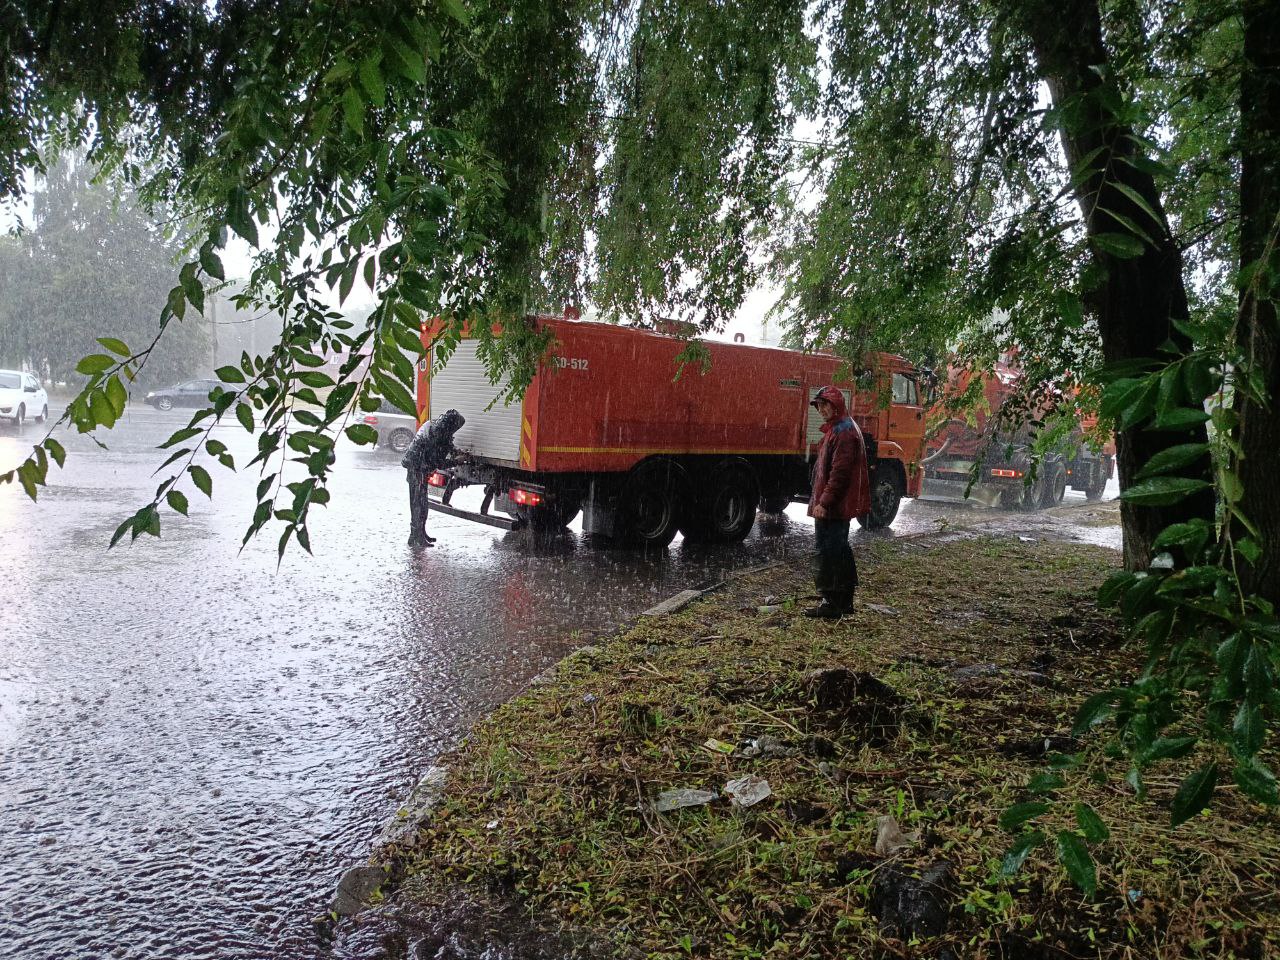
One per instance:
(195, 741)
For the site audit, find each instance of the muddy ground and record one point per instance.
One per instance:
(951, 686)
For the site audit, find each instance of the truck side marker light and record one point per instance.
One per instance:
(1012, 474)
(438, 479)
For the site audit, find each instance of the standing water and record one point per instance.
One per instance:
(195, 742)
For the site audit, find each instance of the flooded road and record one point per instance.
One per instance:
(194, 743)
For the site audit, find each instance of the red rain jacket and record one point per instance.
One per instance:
(840, 481)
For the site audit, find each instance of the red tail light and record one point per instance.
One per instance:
(371, 419)
(1011, 474)
(525, 498)
(437, 479)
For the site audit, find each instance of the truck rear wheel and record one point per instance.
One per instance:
(1032, 494)
(1055, 486)
(652, 503)
(886, 497)
(725, 510)
(1097, 480)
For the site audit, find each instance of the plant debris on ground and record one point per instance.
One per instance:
(878, 754)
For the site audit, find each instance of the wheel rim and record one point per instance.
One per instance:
(731, 508)
(164, 403)
(400, 441)
(652, 513)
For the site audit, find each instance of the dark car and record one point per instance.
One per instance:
(193, 393)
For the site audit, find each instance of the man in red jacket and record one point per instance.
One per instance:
(841, 492)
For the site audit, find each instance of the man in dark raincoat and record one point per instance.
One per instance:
(841, 492)
(431, 449)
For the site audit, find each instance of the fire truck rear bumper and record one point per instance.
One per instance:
(477, 516)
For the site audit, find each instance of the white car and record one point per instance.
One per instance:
(21, 396)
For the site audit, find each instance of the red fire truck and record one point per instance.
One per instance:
(606, 428)
(966, 458)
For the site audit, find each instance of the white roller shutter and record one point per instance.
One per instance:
(813, 435)
(464, 386)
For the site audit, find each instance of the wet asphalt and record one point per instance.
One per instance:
(196, 741)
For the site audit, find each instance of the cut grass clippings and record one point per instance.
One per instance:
(984, 649)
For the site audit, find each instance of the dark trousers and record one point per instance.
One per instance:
(834, 572)
(418, 501)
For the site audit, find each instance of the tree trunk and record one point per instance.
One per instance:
(1256, 330)
(1139, 297)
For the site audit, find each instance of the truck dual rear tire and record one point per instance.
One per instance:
(1055, 486)
(724, 508)
(652, 503)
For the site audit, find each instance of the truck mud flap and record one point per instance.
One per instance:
(478, 516)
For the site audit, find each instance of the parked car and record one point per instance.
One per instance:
(193, 393)
(395, 429)
(22, 396)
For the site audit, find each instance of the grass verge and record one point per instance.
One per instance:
(983, 649)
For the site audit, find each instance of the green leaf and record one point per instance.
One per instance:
(1093, 711)
(1114, 587)
(1250, 728)
(121, 531)
(1191, 535)
(101, 409)
(94, 363)
(1018, 814)
(1168, 748)
(117, 396)
(177, 501)
(314, 378)
(1180, 418)
(1017, 854)
(115, 346)
(1091, 825)
(1255, 779)
(456, 10)
(176, 303)
(1194, 794)
(338, 399)
(406, 61)
(200, 477)
(210, 262)
(186, 433)
(244, 413)
(353, 110)
(1139, 201)
(1162, 491)
(55, 450)
(229, 374)
(362, 433)
(375, 88)
(1045, 783)
(1250, 549)
(396, 394)
(1173, 458)
(1073, 854)
(239, 217)
(1122, 246)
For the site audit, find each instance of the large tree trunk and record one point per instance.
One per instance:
(1257, 330)
(1140, 296)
